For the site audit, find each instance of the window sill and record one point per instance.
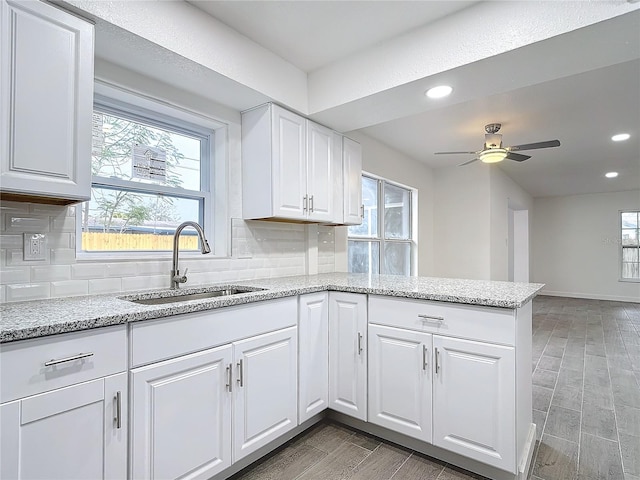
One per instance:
(629, 280)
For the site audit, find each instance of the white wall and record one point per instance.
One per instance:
(462, 222)
(379, 159)
(576, 245)
(505, 194)
(258, 249)
(472, 221)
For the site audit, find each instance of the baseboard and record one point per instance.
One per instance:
(591, 296)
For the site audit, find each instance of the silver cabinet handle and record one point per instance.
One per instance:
(68, 359)
(311, 204)
(229, 377)
(437, 361)
(117, 419)
(362, 210)
(425, 363)
(359, 343)
(240, 373)
(305, 202)
(430, 318)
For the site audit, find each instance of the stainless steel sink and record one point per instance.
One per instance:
(192, 296)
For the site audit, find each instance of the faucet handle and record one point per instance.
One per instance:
(184, 275)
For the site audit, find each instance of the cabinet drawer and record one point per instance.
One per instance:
(155, 340)
(495, 325)
(22, 364)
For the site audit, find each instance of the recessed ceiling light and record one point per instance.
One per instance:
(439, 91)
(620, 137)
(611, 174)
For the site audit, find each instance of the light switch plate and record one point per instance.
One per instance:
(35, 246)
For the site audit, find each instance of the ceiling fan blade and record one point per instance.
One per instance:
(467, 163)
(534, 146)
(454, 153)
(517, 157)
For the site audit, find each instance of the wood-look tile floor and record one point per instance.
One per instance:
(586, 405)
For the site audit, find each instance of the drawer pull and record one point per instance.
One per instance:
(68, 359)
(430, 318)
(118, 415)
(240, 373)
(425, 364)
(229, 377)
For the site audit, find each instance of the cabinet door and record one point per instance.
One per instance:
(265, 390)
(69, 433)
(352, 174)
(288, 141)
(474, 399)
(47, 81)
(181, 416)
(400, 380)
(313, 335)
(323, 172)
(348, 354)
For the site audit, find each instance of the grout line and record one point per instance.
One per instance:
(398, 469)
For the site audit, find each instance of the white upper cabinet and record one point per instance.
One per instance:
(352, 175)
(47, 101)
(324, 171)
(291, 167)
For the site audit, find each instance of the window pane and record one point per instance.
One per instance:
(133, 151)
(116, 220)
(364, 257)
(369, 225)
(629, 220)
(397, 258)
(629, 236)
(630, 254)
(630, 270)
(397, 210)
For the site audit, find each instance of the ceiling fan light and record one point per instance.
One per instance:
(493, 155)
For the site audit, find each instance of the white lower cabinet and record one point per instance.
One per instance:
(75, 432)
(473, 400)
(182, 416)
(400, 380)
(196, 414)
(266, 389)
(348, 354)
(313, 359)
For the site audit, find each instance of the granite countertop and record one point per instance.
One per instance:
(23, 320)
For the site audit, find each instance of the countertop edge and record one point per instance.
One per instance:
(142, 313)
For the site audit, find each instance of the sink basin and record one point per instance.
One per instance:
(192, 296)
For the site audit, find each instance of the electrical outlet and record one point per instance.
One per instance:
(35, 246)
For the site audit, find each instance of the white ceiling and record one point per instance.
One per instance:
(583, 111)
(580, 87)
(312, 34)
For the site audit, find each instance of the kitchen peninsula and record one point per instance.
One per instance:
(438, 365)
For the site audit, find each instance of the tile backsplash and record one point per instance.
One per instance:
(258, 250)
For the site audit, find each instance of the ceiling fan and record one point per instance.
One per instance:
(494, 152)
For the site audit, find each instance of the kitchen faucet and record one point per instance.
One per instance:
(176, 278)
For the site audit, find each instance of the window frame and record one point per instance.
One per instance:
(621, 246)
(380, 236)
(137, 107)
